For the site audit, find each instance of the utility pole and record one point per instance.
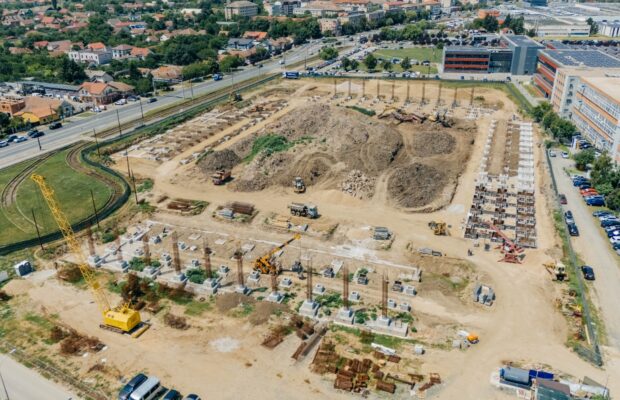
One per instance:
(133, 183)
(92, 197)
(141, 113)
(118, 120)
(96, 142)
(39, 143)
(38, 233)
(128, 168)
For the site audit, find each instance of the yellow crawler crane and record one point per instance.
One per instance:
(265, 263)
(121, 319)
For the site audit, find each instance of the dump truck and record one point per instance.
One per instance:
(304, 210)
(298, 185)
(220, 177)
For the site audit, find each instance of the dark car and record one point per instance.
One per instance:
(587, 272)
(563, 199)
(131, 386)
(192, 397)
(595, 201)
(172, 395)
(572, 230)
(11, 138)
(568, 215)
(55, 125)
(610, 222)
(601, 213)
(585, 185)
(152, 100)
(35, 133)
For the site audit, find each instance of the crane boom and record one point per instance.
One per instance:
(121, 318)
(264, 265)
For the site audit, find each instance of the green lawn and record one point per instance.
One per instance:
(415, 53)
(397, 68)
(72, 191)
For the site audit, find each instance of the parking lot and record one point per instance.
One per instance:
(593, 247)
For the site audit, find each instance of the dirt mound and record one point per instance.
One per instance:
(432, 143)
(225, 159)
(228, 301)
(357, 184)
(321, 144)
(416, 185)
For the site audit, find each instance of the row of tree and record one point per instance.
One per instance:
(561, 129)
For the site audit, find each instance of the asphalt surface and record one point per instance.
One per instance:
(594, 249)
(74, 130)
(23, 383)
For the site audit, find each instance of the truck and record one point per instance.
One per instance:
(217, 77)
(290, 75)
(304, 210)
(220, 177)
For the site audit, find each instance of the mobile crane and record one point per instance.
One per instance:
(121, 319)
(265, 265)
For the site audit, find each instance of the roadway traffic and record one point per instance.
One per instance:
(80, 128)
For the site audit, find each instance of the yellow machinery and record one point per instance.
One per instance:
(439, 228)
(265, 265)
(121, 319)
(557, 270)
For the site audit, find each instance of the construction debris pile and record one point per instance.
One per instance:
(357, 184)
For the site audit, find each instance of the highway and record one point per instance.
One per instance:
(22, 383)
(77, 128)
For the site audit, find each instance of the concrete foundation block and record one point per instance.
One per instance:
(309, 308)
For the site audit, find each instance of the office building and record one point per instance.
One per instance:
(524, 53)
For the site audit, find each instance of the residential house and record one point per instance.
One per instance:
(121, 51)
(241, 8)
(91, 57)
(240, 44)
(353, 5)
(98, 76)
(319, 9)
(11, 105)
(257, 36)
(42, 110)
(168, 74)
(140, 52)
(99, 93)
(330, 25)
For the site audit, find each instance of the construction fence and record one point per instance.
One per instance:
(592, 354)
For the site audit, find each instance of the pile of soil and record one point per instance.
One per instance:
(416, 185)
(432, 143)
(327, 143)
(263, 311)
(225, 159)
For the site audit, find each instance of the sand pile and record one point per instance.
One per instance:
(416, 185)
(431, 143)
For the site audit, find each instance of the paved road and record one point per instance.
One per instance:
(26, 384)
(594, 249)
(73, 131)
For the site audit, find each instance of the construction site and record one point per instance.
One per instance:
(318, 238)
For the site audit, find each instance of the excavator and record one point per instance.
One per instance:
(298, 185)
(120, 319)
(266, 265)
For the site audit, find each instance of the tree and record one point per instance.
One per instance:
(602, 170)
(143, 86)
(549, 119)
(354, 65)
(345, 64)
(387, 65)
(198, 70)
(613, 200)
(563, 129)
(371, 62)
(328, 53)
(583, 158)
(70, 71)
(405, 64)
(229, 63)
(593, 26)
(5, 121)
(540, 110)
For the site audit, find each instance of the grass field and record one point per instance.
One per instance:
(397, 68)
(415, 53)
(72, 190)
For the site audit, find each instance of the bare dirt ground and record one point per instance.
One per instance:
(220, 355)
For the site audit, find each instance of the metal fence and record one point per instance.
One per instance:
(593, 354)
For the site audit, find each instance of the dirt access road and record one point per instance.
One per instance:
(595, 251)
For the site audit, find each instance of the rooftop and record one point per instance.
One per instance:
(241, 3)
(52, 86)
(521, 41)
(609, 86)
(586, 58)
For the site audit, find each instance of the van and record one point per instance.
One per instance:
(148, 390)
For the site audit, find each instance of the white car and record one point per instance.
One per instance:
(120, 102)
(564, 154)
(4, 143)
(551, 153)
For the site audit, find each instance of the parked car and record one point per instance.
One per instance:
(588, 192)
(584, 185)
(587, 272)
(192, 397)
(4, 143)
(563, 199)
(564, 154)
(55, 125)
(601, 213)
(595, 201)
(172, 395)
(552, 153)
(120, 102)
(11, 138)
(610, 222)
(152, 100)
(572, 230)
(568, 217)
(21, 139)
(133, 98)
(131, 386)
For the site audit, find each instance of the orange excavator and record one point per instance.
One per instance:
(266, 264)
